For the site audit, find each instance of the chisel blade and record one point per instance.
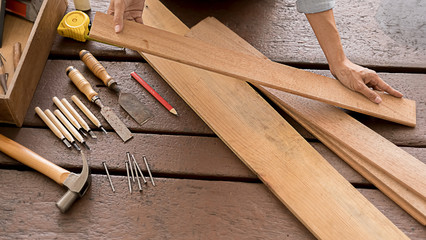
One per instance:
(118, 126)
(134, 108)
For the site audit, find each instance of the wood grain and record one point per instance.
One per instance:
(249, 68)
(174, 209)
(374, 33)
(272, 149)
(377, 159)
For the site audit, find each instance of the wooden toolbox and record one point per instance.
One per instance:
(36, 40)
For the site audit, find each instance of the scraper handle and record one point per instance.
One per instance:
(81, 83)
(96, 67)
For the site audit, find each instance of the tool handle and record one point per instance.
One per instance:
(96, 67)
(75, 114)
(33, 160)
(86, 111)
(49, 123)
(17, 52)
(68, 125)
(81, 83)
(59, 125)
(67, 113)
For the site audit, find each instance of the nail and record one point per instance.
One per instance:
(117, 28)
(377, 100)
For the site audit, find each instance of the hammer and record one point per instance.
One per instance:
(77, 184)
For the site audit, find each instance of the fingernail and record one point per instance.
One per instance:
(378, 100)
(117, 28)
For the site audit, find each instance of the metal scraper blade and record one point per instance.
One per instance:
(116, 124)
(134, 108)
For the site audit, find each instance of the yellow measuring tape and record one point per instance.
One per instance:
(75, 25)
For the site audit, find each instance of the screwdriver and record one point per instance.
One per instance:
(52, 126)
(61, 128)
(77, 116)
(70, 128)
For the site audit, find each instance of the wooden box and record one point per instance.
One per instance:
(36, 40)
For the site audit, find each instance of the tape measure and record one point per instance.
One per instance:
(75, 25)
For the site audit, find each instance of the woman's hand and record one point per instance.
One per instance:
(126, 9)
(362, 80)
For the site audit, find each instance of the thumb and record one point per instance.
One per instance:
(118, 15)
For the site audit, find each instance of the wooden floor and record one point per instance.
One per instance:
(203, 190)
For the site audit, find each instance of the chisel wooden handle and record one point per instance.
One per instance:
(68, 125)
(59, 125)
(81, 83)
(49, 123)
(33, 160)
(86, 111)
(67, 113)
(75, 114)
(17, 52)
(96, 67)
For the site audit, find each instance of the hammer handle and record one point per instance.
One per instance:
(33, 160)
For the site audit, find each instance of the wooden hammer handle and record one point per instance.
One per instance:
(33, 160)
(96, 67)
(81, 83)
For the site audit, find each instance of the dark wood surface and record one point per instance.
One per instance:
(203, 190)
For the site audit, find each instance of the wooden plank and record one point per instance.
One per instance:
(371, 35)
(413, 85)
(249, 68)
(175, 208)
(272, 149)
(383, 163)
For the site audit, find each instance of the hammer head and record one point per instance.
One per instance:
(77, 185)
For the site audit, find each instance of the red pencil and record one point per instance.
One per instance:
(154, 93)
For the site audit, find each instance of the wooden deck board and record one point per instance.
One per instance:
(175, 208)
(219, 201)
(412, 85)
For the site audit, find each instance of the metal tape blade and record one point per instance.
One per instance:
(118, 126)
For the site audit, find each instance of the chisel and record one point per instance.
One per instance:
(52, 126)
(84, 86)
(77, 117)
(88, 113)
(128, 101)
(69, 116)
(70, 128)
(61, 128)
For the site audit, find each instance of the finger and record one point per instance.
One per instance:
(118, 15)
(385, 87)
(367, 92)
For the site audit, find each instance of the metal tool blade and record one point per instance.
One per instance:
(118, 126)
(134, 108)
